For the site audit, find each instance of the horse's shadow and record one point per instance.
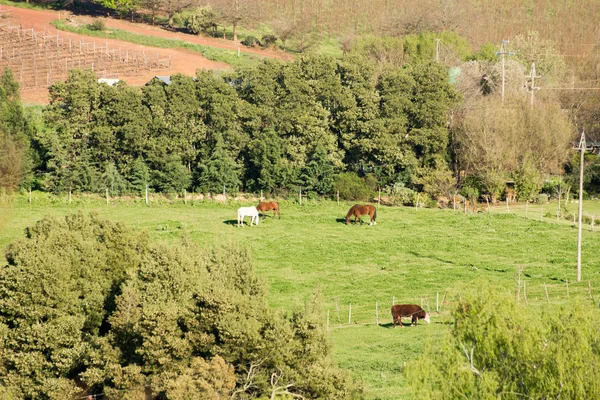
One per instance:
(230, 222)
(343, 221)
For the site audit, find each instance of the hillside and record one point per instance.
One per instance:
(40, 55)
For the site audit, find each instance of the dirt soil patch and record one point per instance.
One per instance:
(182, 61)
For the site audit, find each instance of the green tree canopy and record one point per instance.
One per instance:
(88, 307)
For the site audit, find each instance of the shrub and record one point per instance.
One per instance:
(541, 198)
(97, 25)
(352, 187)
(198, 20)
(400, 195)
(268, 40)
(496, 347)
(250, 41)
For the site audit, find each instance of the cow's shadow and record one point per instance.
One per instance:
(391, 325)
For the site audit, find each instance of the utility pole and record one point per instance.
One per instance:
(532, 76)
(581, 148)
(503, 53)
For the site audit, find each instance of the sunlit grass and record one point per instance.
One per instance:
(409, 256)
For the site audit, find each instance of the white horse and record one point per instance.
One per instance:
(251, 212)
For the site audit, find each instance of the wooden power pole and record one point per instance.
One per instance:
(581, 148)
(503, 53)
(532, 76)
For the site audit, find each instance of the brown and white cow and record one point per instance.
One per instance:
(408, 310)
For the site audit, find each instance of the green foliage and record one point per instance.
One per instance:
(352, 187)
(16, 159)
(273, 127)
(436, 180)
(472, 187)
(419, 48)
(487, 52)
(400, 195)
(89, 307)
(251, 41)
(268, 40)
(97, 25)
(496, 348)
(201, 19)
(528, 182)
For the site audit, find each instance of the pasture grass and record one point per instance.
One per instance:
(212, 53)
(409, 256)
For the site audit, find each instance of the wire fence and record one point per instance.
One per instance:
(442, 304)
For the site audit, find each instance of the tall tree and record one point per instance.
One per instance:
(16, 132)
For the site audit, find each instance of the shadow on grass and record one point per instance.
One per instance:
(232, 222)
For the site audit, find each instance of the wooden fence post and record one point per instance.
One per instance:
(30, 195)
(524, 291)
(107, 202)
(146, 194)
(350, 313)
(184, 196)
(338, 197)
(546, 289)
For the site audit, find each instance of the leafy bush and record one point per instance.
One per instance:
(400, 195)
(527, 182)
(250, 41)
(472, 187)
(541, 198)
(353, 187)
(86, 303)
(97, 25)
(268, 40)
(201, 19)
(496, 347)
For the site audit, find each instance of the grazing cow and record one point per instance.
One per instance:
(408, 310)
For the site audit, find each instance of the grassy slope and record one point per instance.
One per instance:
(407, 255)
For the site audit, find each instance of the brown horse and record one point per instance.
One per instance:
(359, 209)
(265, 206)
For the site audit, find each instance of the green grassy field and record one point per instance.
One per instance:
(409, 256)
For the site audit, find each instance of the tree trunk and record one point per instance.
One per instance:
(170, 20)
(235, 31)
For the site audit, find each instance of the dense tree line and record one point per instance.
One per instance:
(89, 307)
(272, 128)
